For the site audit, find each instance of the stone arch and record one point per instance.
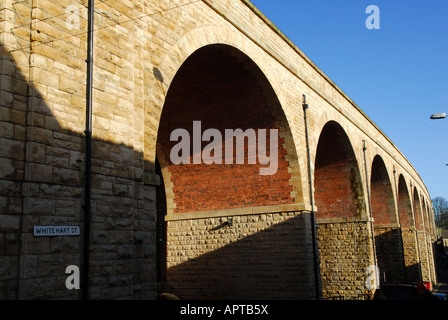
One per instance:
(219, 88)
(164, 72)
(167, 67)
(431, 215)
(427, 220)
(338, 186)
(408, 231)
(404, 204)
(429, 239)
(382, 197)
(418, 213)
(388, 241)
(425, 214)
(343, 228)
(424, 251)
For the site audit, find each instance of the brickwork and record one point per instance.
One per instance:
(382, 198)
(338, 190)
(139, 48)
(404, 205)
(418, 216)
(210, 86)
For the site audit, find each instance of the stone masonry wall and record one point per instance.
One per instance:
(431, 243)
(345, 252)
(424, 256)
(13, 105)
(138, 48)
(264, 256)
(411, 258)
(43, 72)
(389, 251)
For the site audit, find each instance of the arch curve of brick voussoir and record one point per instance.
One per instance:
(193, 41)
(329, 115)
(200, 38)
(213, 36)
(382, 194)
(333, 117)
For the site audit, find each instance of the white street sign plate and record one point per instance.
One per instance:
(51, 231)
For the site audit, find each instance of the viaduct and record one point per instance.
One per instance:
(90, 97)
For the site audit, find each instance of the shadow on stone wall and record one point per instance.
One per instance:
(42, 165)
(42, 183)
(42, 178)
(389, 251)
(391, 262)
(275, 263)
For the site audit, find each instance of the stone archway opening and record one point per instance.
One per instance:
(430, 243)
(382, 198)
(219, 88)
(338, 188)
(388, 244)
(409, 234)
(404, 201)
(234, 227)
(423, 252)
(418, 215)
(344, 239)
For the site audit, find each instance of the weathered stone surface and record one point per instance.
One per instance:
(345, 252)
(140, 49)
(238, 259)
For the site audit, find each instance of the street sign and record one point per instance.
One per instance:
(51, 231)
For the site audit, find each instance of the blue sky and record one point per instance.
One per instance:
(398, 74)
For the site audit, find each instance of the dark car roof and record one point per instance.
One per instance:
(402, 292)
